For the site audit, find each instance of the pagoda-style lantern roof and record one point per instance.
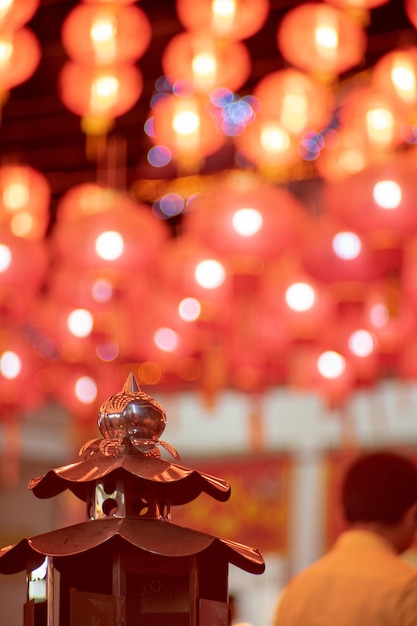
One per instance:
(128, 537)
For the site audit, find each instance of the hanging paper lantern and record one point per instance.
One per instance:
(206, 62)
(304, 305)
(183, 125)
(268, 145)
(395, 73)
(246, 219)
(379, 201)
(20, 54)
(89, 199)
(99, 95)
(106, 34)
(374, 115)
(23, 266)
(346, 152)
(340, 257)
(123, 239)
(24, 200)
(231, 19)
(325, 372)
(295, 100)
(16, 13)
(321, 40)
(20, 365)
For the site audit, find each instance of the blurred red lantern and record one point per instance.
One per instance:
(410, 7)
(247, 219)
(268, 145)
(24, 200)
(395, 73)
(374, 115)
(345, 152)
(295, 100)
(15, 13)
(106, 34)
(192, 269)
(184, 125)
(321, 40)
(357, 5)
(20, 365)
(206, 62)
(323, 371)
(121, 239)
(23, 266)
(91, 198)
(302, 303)
(333, 254)
(99, 94)
(233, 19)
(20, 54)
(379, 201)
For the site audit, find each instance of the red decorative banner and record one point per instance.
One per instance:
(256, 513)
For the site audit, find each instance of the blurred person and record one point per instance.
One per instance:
(362, 580)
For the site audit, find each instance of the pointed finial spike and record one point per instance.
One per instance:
(131, 384)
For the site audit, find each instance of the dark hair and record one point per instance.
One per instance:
(379, 487)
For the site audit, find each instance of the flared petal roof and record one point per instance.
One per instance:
(147, 535)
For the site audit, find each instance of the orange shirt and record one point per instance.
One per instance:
(361, 581)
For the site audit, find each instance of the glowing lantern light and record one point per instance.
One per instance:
(295, 100)
(23, 266)
(20, 54)
(231, 19)
(242, 219)
(331, 364)
(267, 144)
(90, 198)
(302, 304)
(321, 39)
(345, 153)
(373, 114)
(85, 389)
(410, 7)
(98, 95)
(378, 200)
(15, 13)
(104, 35)
(357, 4)
(24, 200)
(166, 339)
(189, 309)
(206, 62)
(184, 126)
(10, 364)
(362, 343)
(343, 258)
(210, 274)
(395, 73)
(80, 322)
(120, 238)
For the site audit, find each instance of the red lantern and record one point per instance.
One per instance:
(24, 200)
(375, 116)
(98, 95)
(395, 73)
(268, 145)
(15, 14)
(23, 266)
(238, 19)
(206, 62)
(123, 239)
(185, 127)
(379, 201)
(295, 100)
(106, 34)
(321, 40)
(247, 219)
(346, 152)
(19, 58)
(303, 305)
(89, 199)
(333, 254)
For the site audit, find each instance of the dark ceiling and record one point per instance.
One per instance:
(37, 129)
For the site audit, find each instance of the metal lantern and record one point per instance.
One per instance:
(128, 564)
